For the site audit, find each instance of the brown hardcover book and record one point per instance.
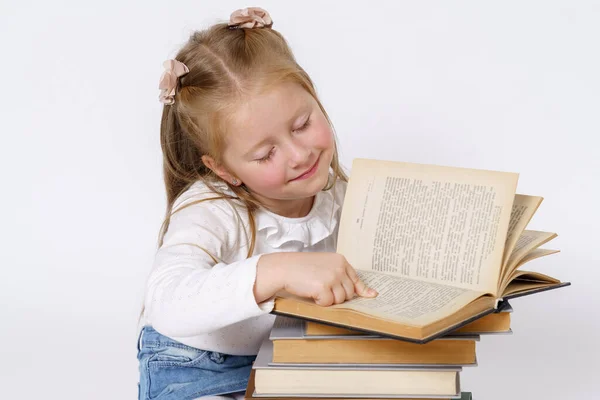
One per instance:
(441, 245)
(291, 346)
(374, 351)
(491, 323)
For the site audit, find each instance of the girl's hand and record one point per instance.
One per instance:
(325, 277)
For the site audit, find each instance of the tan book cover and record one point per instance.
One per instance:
(495, 323)
(291, 346)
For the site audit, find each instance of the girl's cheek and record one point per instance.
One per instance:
(323, 137)
(270, 177)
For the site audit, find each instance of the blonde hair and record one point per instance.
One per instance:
(224, 65)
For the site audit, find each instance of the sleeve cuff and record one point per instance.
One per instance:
(267, 305)
(251, 308)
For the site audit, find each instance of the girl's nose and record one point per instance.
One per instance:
(298, 155)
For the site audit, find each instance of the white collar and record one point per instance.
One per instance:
(317, 225)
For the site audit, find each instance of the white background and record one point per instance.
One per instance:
(509, 85)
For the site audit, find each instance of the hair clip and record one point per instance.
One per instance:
(168, 80)
(250, 17)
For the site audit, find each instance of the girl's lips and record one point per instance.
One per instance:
(310, 172)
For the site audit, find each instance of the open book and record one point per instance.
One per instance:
(441, 245)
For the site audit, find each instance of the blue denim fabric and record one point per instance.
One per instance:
(170, 370)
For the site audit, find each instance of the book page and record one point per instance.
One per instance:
(436, 224)
(527, 242)
(523, 285)
(409, 301)
(522, 211)
(531, 255)
(536, 253)
(527, 277)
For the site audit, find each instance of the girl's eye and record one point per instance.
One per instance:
(267, 157)
(303, 127)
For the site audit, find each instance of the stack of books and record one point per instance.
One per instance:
(443, 246)
(304, 359)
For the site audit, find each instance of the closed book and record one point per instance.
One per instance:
(352, 382)
(292, 347)
(249, 395)
(492, 324)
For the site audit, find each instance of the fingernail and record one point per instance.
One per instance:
(372, 292)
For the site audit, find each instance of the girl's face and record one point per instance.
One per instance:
(280, 145)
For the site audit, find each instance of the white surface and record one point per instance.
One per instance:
(499, 85)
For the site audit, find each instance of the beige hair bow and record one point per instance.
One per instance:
(251, 17)
(168, 80)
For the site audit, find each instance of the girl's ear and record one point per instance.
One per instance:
(220, 170)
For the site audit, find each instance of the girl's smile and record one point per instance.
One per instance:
(311, 172)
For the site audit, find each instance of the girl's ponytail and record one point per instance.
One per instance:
(182, 163)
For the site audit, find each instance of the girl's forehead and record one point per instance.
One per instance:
(267, 112)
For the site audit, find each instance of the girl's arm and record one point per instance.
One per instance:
(188, 292)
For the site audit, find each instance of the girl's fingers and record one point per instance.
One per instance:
(359, 286)
(348, 287)
(324, 298)
(339, 294)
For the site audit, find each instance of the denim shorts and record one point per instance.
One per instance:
(170, 370)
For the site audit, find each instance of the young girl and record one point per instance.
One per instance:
(254, 191)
